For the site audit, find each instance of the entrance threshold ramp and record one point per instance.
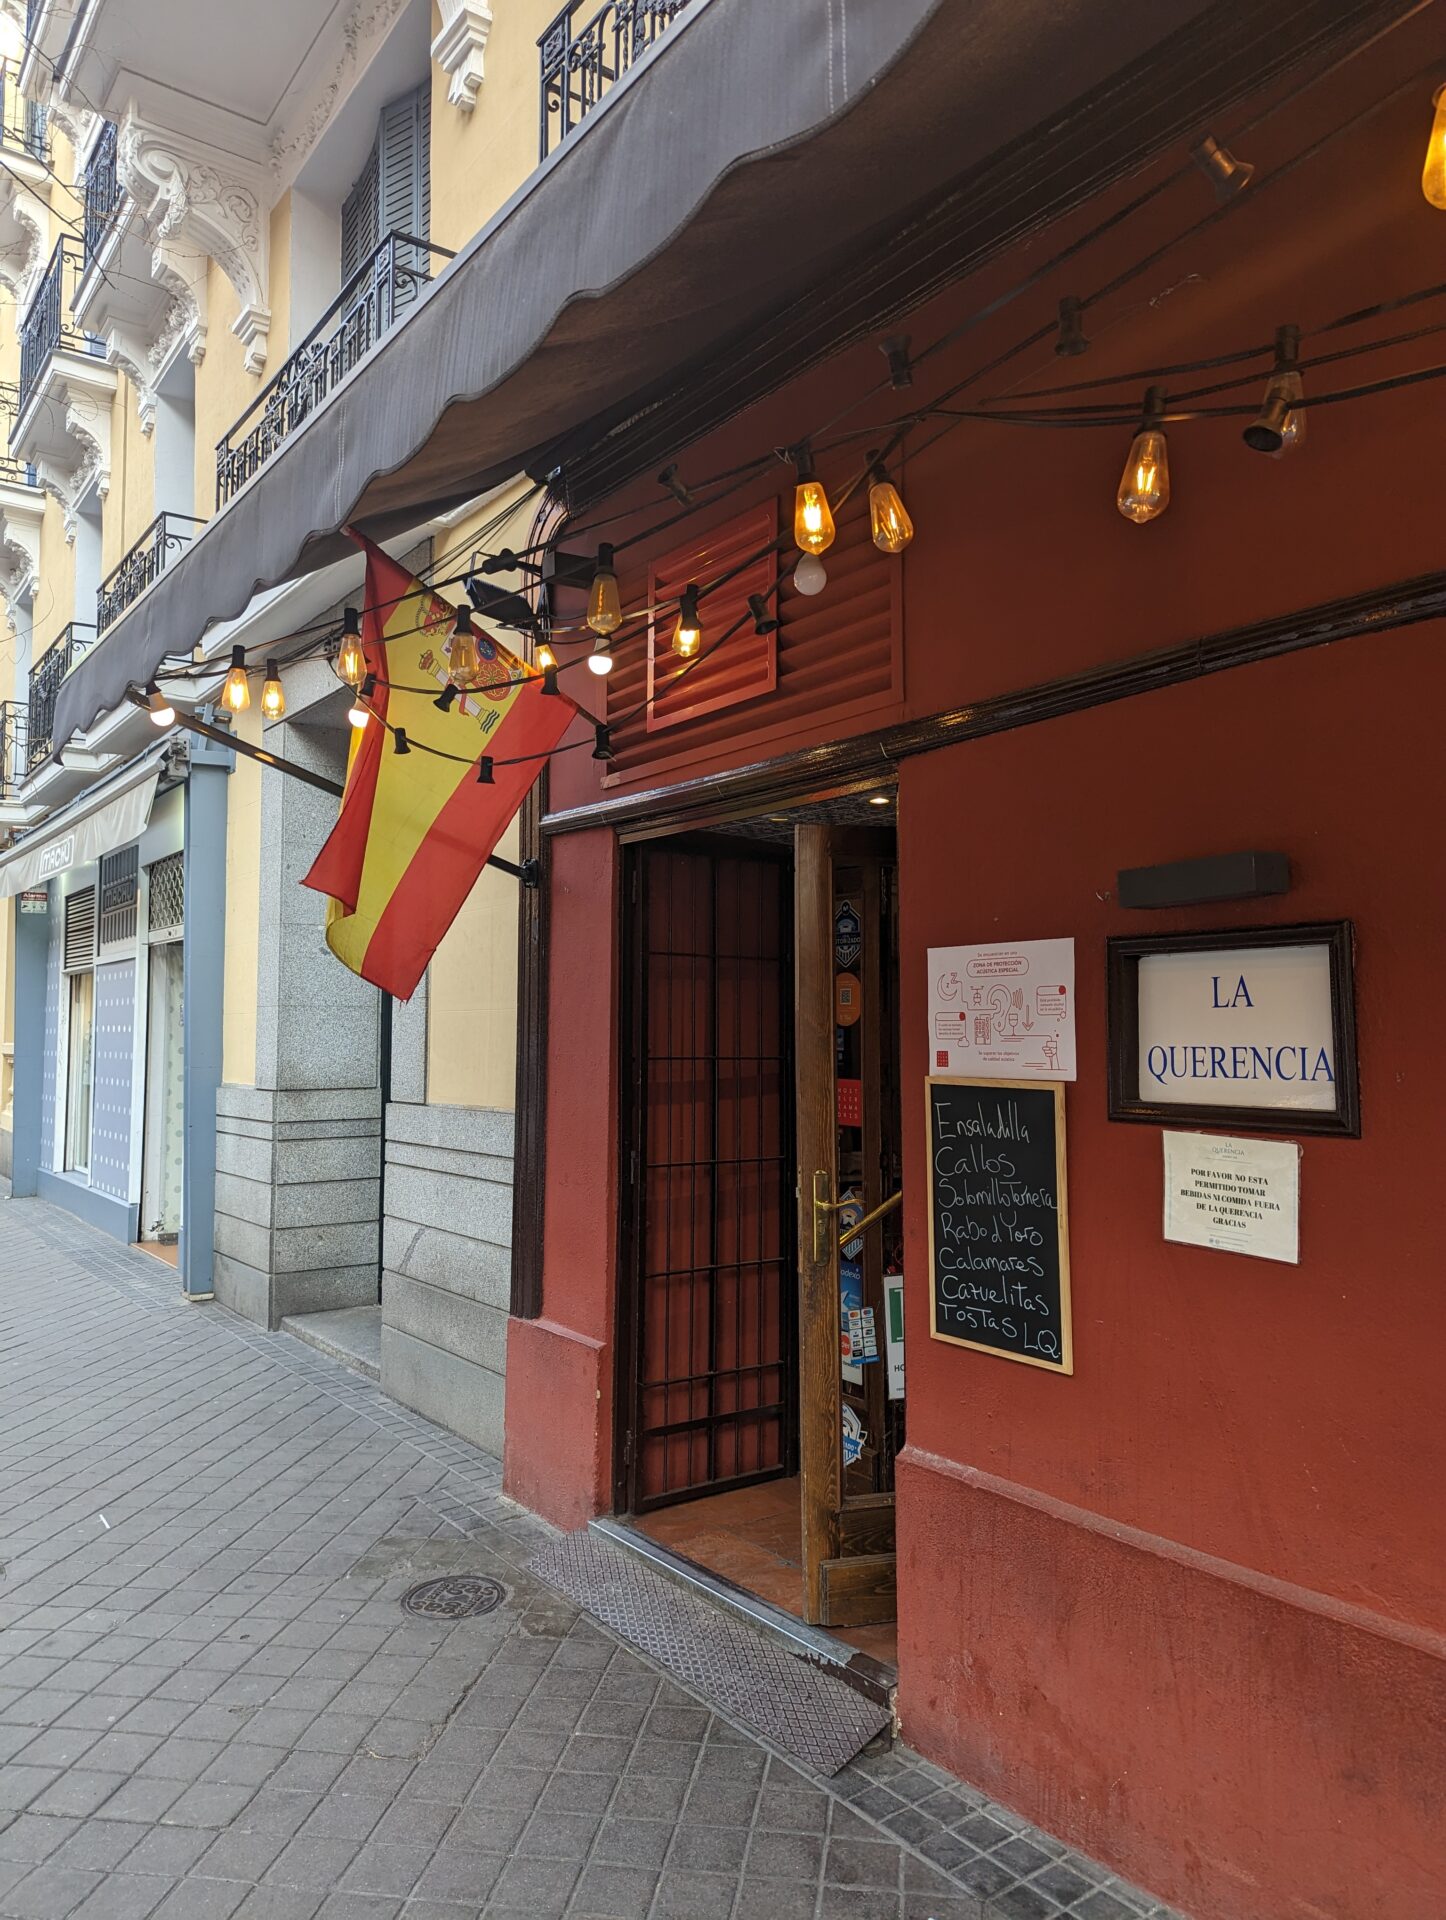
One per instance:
(352, 1335)
(783, 1688)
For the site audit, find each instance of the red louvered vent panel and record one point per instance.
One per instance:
(835, 656)
(724, 671)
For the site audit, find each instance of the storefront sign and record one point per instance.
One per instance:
(894, 1332)
(998, 1219)
(1003, 1012)
(848, 937)
(1241, 1196)
(854, 1437)
(35, 900)
(1255, 1028)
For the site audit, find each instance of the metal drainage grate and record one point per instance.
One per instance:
(456, 1596)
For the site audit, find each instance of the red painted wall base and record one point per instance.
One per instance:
(1136, 1699)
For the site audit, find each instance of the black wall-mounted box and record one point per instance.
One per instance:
(1196, 883)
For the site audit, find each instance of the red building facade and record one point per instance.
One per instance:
(1183, 1606)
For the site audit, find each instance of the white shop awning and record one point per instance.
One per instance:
(105, 817)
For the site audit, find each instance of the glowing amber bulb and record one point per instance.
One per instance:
(688, 634)
(236, 693)
(1433, 174)
(813, 528)
(462, 663)
(273, 699)
(351, 661)
(1145, 483)
(544, 657)
(889, 522)
(604, 605)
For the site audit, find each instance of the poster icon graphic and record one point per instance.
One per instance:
(1004, 1011)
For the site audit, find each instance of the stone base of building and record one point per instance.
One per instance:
(297, 1200)
(447, 1265)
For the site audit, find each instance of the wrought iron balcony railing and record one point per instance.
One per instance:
(45, 678)
(13, 472)
(367, 307)
(146, 561)
(103, 192)
(47, 324)
(12, 747)
(580, 63)
(22, 121)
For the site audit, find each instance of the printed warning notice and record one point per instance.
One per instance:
(1240, 1196)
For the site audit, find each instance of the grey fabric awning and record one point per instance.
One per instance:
(720, 178)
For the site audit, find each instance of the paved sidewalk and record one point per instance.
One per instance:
(212, 1704)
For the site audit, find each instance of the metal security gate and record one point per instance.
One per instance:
(709, 1281)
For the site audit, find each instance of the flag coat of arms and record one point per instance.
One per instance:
(415, 829)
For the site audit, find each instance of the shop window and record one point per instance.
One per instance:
(119, 893)
(79, 957)
(167, 897)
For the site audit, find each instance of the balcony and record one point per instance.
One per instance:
(13, 472)
(580, 63)
(69, 645)
(12, 747)
(47, 327)
(22, 122)
(101, 191)
(147, 560)
(367, 307)
(62, 424)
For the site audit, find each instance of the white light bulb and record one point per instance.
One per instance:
(810, 575)
(600, 661)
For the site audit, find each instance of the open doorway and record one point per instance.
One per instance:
(760, 1394)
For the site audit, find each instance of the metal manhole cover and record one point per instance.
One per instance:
(456, 1596)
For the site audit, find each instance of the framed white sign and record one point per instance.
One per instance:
(1254, 1027)
(1003, 1012)
(1238, 1196)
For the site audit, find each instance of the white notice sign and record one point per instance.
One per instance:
(1241, 1196)
(1003, 1012)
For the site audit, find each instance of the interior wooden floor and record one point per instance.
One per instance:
(754, 1537)
(166, 1250)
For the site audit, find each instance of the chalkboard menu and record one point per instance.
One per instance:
(998, 1219)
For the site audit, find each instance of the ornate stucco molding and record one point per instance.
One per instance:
(328, 81)
(202, 204)
(145, 363)
(21, 512)
(459, 47)
(24, 237)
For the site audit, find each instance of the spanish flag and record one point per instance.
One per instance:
(415, 829)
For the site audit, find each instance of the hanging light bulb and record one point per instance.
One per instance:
(688, 634)
(358, 715)
(543, 656)
(1280, 425)
(1145, 483)
(162, 713)
(604, 604)
(600, 660)
(810, 575)
(549, 680)
(351, 661)
(236, 693)
(462, 662)
(889, 521)
(1433, 174)
(273, 698)
(813, 527)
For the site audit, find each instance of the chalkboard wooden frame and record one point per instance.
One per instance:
(1128, 1103)
(1066, 1318)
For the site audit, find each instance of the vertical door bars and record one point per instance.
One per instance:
(711, 1235)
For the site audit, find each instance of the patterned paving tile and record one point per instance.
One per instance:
(212, 1703)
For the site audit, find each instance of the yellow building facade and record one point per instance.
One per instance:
(198, 243)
